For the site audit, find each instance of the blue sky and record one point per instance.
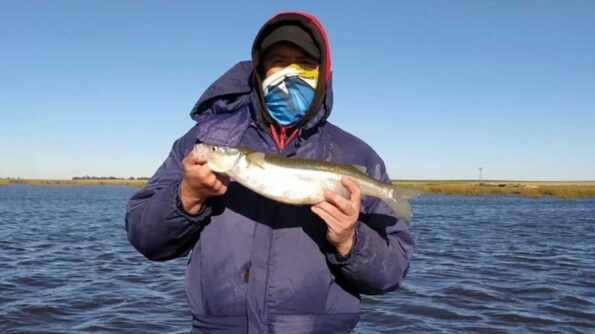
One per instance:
(437, 88)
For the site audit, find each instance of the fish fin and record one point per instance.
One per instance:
(399, 201)
(256, 158)
(406, 192)
(361, 168)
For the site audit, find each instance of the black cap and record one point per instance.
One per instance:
(293, 34)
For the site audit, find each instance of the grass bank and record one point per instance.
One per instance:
(563, 189)
(81, 182)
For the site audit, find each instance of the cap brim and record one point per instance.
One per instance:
(292, 34)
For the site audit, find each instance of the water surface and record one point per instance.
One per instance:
(482, 265)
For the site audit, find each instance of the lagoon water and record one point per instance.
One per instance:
(482, 265)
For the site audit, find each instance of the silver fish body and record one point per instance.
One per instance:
(298, 181)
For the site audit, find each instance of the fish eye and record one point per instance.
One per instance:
(213, 149)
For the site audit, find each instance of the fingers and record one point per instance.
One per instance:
(193, 163)
(200, 179)
(224, 179)
(191, 159)
(330, 220)
(216, 182)
(330, 212)
(213, 183)
(342, 204)
(219, 185)
(348, 206)
(340, 216)
(353, 188)
(337, 210)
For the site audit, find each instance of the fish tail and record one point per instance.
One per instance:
(399, 201)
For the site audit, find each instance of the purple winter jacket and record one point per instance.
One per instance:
(256, 265)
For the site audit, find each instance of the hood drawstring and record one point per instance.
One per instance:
(280, 136)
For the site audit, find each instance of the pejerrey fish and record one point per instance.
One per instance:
(298, 181)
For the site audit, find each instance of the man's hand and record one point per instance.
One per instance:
(199, 182)
(340, 215)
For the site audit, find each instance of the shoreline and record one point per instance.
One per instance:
(78, 182)
(563, 189)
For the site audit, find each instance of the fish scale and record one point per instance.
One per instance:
(298, 181)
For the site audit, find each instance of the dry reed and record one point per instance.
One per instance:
(526, 188)
(578, 189)
(80, 182)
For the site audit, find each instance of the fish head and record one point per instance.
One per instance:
(220, 159)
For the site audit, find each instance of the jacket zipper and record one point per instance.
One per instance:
(283, 138)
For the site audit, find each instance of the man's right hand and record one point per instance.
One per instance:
(199, 182)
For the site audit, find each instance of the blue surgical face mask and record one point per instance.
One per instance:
(289, 92)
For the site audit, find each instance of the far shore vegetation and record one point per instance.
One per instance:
(80, 181)
(563, 189)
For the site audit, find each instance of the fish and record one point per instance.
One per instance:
(299, 181)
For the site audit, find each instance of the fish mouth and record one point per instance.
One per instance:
(201, 152)
(220, 159)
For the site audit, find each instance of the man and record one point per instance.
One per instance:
(256, 265)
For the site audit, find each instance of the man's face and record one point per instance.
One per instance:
(284, 54)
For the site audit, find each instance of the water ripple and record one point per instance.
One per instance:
(482, 265)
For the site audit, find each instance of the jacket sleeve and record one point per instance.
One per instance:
(156, 224)
(379, 259)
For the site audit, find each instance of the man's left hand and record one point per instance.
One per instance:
(340, 215)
